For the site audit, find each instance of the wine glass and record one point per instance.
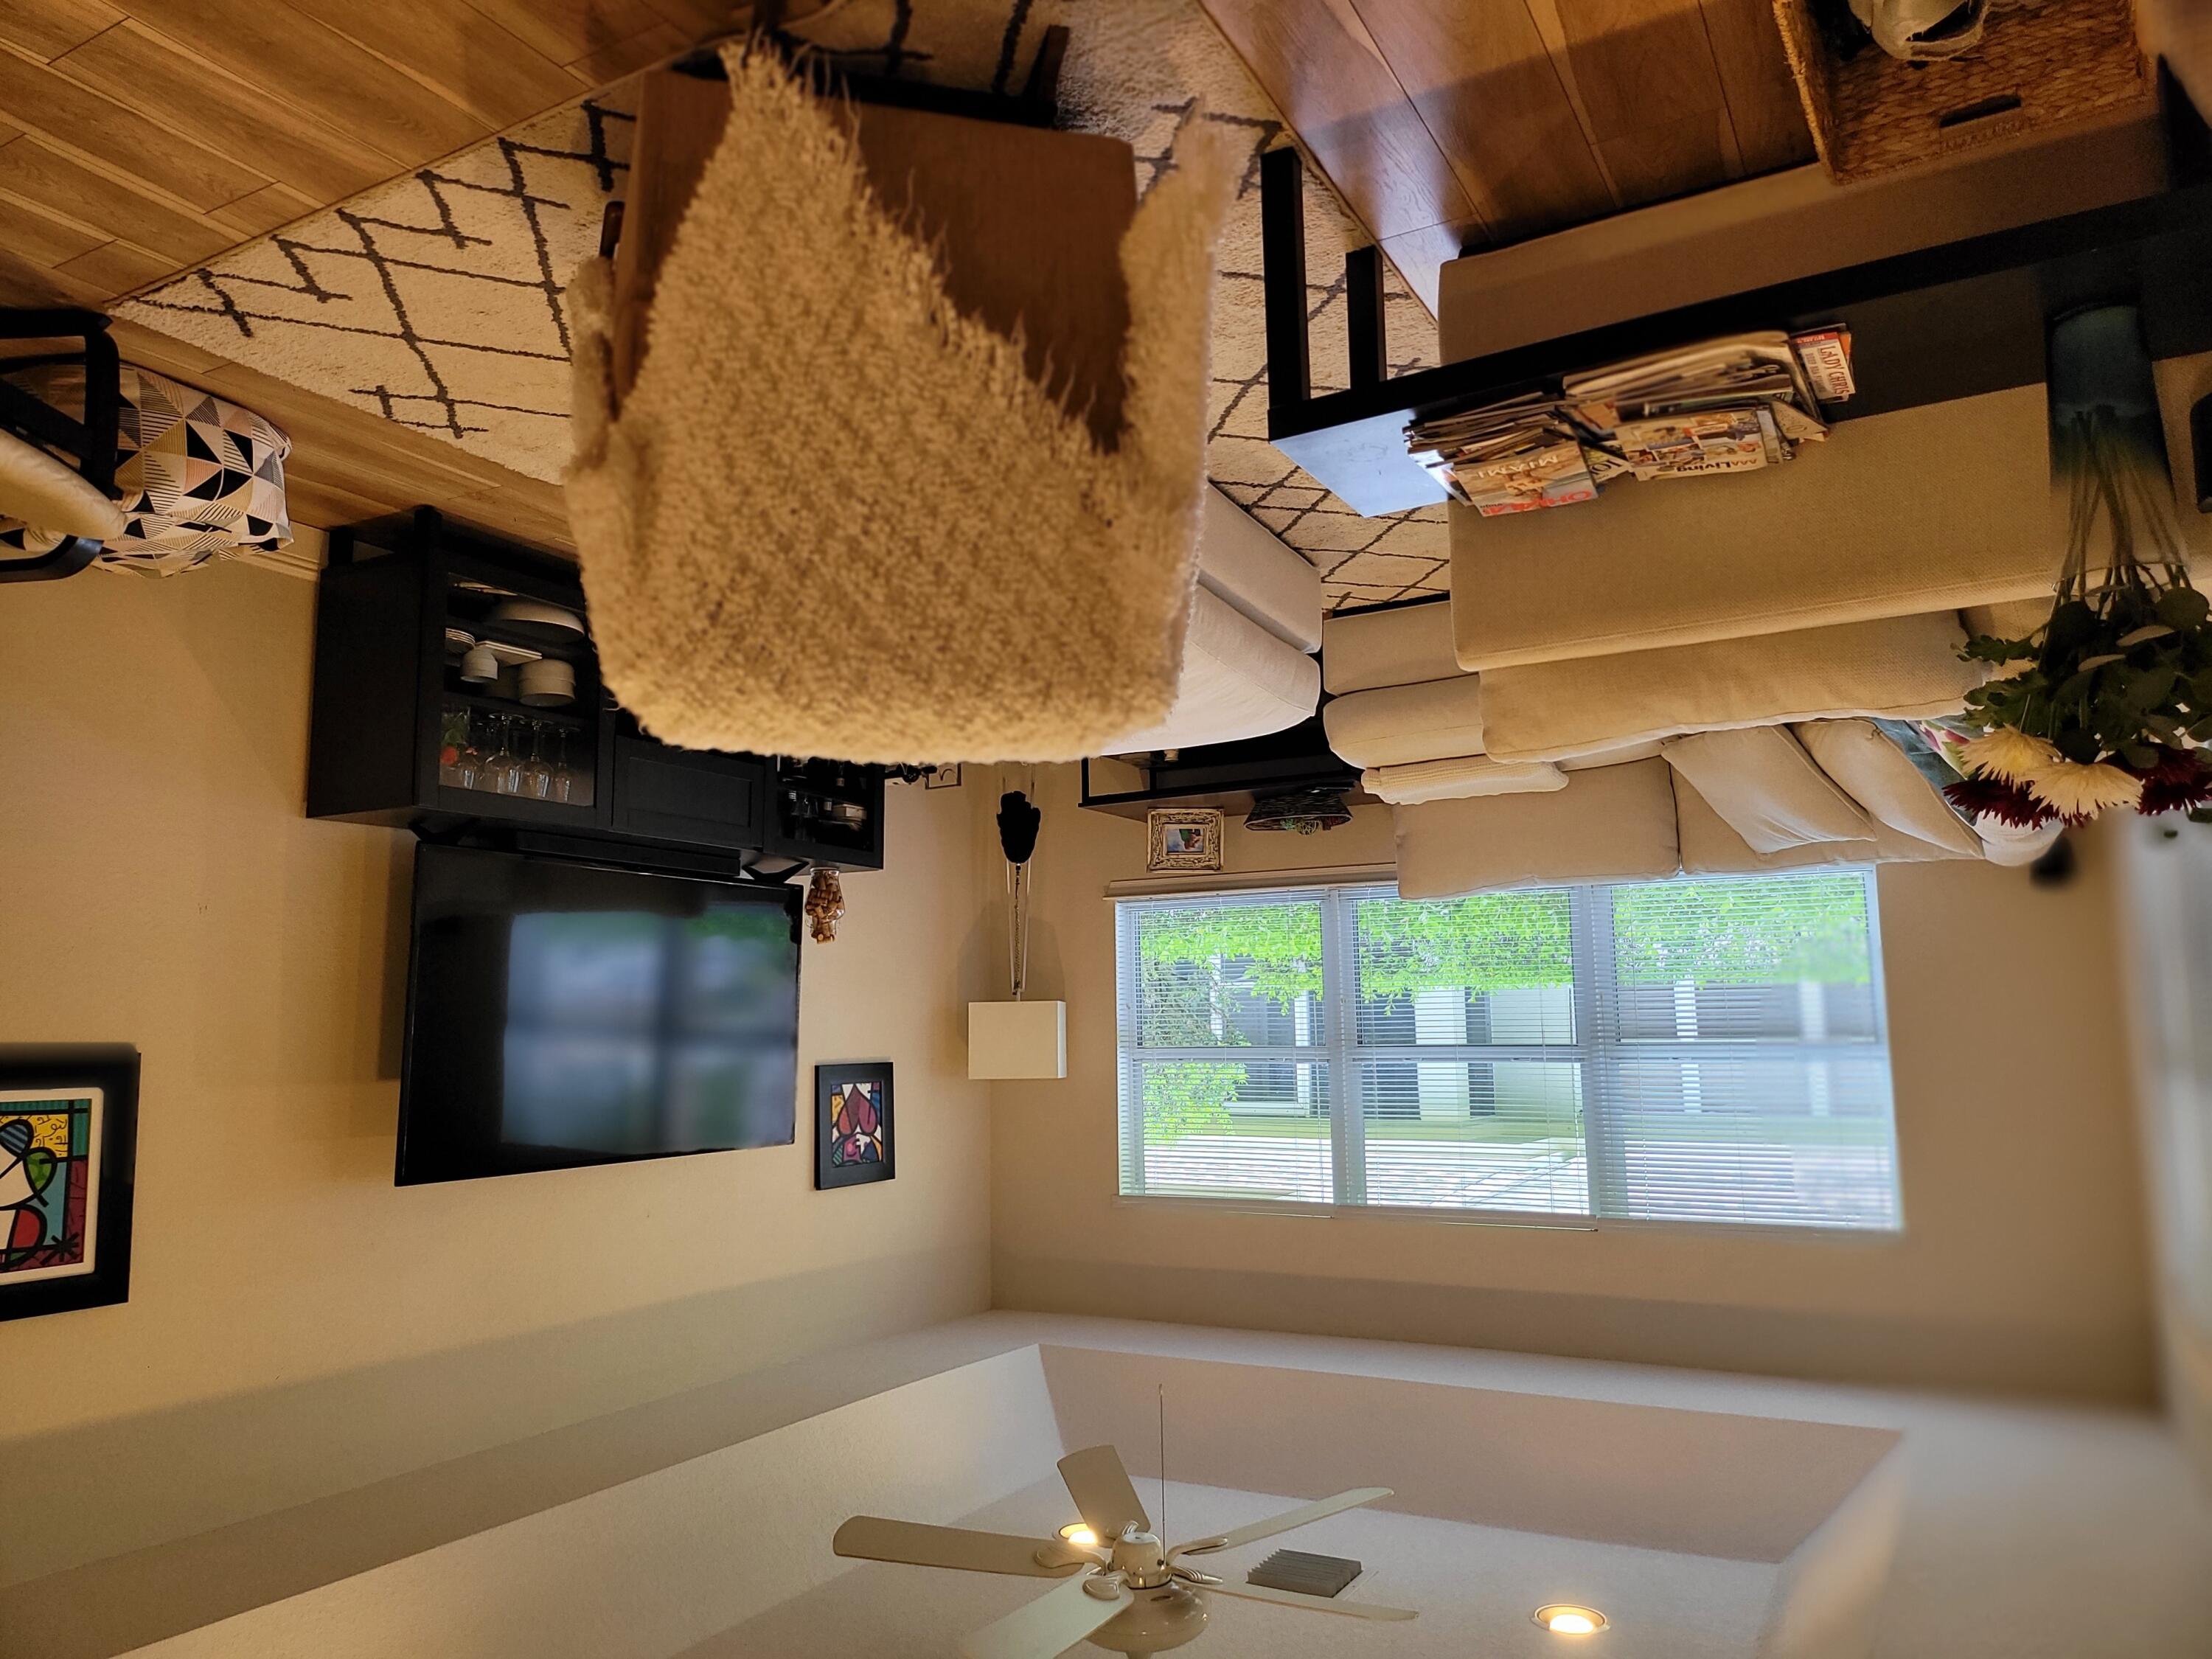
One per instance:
(534, 778)
(503, 770)
(469, 757)
(564, 776)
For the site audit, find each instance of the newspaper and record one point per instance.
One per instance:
(1732, 404)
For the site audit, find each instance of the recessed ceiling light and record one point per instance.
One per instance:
(1563, 1619)
(1079, 1535)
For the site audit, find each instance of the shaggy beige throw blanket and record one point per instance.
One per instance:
(834, 517)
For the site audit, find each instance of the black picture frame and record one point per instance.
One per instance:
(830, 1081)
(108, 1073)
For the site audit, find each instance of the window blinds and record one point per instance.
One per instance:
(1703, 1049)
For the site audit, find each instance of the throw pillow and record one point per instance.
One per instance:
(1878, 775)
(1765, 787)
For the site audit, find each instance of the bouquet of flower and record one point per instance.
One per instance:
(2110, 701)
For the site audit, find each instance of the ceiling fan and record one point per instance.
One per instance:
(1126, 1594)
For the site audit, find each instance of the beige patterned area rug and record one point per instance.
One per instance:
(437, 300)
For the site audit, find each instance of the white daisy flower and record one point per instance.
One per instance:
(2007, 754)
(2075, 791)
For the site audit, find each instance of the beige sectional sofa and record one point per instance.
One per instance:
(1556, 762)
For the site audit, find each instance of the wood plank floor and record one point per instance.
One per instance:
(1453, 124)
(140, 137)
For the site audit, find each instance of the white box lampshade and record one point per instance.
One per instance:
(1016, 1039)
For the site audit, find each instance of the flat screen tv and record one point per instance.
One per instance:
(563, 1013)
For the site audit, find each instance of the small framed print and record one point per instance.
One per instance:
(68, 1119)
(1183, 839)
(854, 1139)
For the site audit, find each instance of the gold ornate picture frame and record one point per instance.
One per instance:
(1182, 838)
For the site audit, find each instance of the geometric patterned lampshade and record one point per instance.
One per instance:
(199, 479)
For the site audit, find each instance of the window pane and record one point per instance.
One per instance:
(1492, 969)
(1227, 1128)
(1743, 931)
(1796, 1141)
(1474, 1135)
(1710, 1049)
(1226, 973)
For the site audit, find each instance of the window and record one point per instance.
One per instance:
(1704, 1050)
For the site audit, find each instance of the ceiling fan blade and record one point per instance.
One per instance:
(872, 1538)
(1103, 1497)
(1283, 1522)
(1051, 1625)
(1283, 1598)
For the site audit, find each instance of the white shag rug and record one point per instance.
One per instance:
(754, 582)
(437, 300)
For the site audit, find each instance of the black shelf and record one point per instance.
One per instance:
(564, 714)
(1957, 320)
(384, 682)
(1232, 777)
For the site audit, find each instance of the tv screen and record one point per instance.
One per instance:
(563, 1013)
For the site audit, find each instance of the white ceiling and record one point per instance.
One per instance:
(1475, 1588)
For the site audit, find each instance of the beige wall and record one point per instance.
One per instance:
(2168, 886)
(2022, 1265)
(297, 1324)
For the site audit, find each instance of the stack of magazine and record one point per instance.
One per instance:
(1727, 405)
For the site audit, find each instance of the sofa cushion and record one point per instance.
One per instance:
(1860, 759)
(1461, 779)
(1710, 848)
(1895, 514)
(1437, 720)
(1765, 785)
(1901, 668)
(1618, 755)
(1363, 649)
(2015, 619)
(1238, 681)
(1615, 824)
(1242, 563)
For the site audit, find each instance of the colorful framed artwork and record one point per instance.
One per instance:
(1183, 839)
(853, 1136)
(68, 1119)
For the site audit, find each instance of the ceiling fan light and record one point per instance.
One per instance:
(1079, 1535)
(1564, 1619)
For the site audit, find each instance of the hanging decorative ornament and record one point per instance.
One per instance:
(2108, 705)
(1300, 812)
(1018, 823)
(825, 903)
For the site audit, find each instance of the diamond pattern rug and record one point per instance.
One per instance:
(436, 300)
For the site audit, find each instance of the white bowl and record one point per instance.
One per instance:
(548, 683)
(531, 620)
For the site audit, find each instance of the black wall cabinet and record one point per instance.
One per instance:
(400, 737)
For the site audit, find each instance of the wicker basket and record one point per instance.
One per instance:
(2040, 64)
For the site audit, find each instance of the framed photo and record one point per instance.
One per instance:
(69, 1123)
(853, 1140)
(1183, 839)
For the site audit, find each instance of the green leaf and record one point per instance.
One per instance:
(2183, 608)
(2079, 746)
(2147, 688)
(2073, 626)
(2140, 755)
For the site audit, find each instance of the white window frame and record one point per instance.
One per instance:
(1596, 1045)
